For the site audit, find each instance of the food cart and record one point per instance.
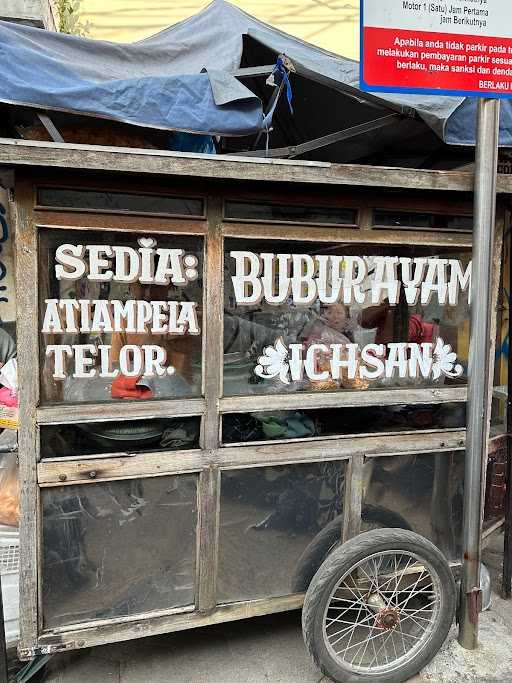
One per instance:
(230, 370)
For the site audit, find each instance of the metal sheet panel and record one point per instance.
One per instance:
(113, 550)
(426, 490)
(268, 517)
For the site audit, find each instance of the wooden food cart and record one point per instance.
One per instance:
(167, 491)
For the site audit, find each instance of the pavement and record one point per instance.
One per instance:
(270, 649)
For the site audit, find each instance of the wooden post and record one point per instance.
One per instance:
(209, 480)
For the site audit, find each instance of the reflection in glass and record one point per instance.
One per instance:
(290, 213)
(249, 328)
(426, 490)
(181, 345)
(120, 548)
(424, 221)
(268, 517)
(304, 424)
(119, 436)
(119, 201)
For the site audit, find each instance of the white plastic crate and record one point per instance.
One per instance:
(9, 569)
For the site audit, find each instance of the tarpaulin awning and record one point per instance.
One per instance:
(121, 82)
(182, 79)
(215, 36)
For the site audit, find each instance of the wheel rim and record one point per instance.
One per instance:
(382, 612)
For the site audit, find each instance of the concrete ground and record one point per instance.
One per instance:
(271, 649)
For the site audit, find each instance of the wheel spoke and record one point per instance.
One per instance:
(410, 609)
(350, 623)
(414, 587)
(375, 619)
(350, 629)
(421, 626)
(379, 635)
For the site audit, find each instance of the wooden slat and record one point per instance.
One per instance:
(111, 631)
(93, 157)
(28, 377)
(353, 503)
(64, 472)
(59, 472)
(81, 220)
(305, 451)
(342, 399)
(213, 332)
(112, 412)
(208, 538)
(209, 481)
(448, 446)
(345, 235)
(345, 437)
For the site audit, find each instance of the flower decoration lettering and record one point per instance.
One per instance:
(373, 361)
(444, 361)
(274, 362)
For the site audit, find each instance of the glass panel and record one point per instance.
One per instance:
(307, 317)
(130, 437)
(425, 490)
(290, 213)
(268, 517)
(304, 424)
(112, 550)
(423, 221)
(121, 317)
(119, 201)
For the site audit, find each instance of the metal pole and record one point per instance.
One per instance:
(478, 371)
(507, 546)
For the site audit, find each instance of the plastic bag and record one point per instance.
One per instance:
(9, 418)
(9, 491)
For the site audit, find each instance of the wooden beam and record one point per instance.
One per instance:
(135, 410)
(341, 448)
(353, 498)
(208, 539)
(342, 399)
(259, 230)
(28, 442)
(144, 161)
(209, 479)
(117, 630)
(62, 472)
(66, 471)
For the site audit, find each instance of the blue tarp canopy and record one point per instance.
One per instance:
(181, 79)
(124, 83)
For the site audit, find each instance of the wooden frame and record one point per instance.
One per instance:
(212, 458)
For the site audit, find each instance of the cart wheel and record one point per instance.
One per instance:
(329, 538)
(379, 608)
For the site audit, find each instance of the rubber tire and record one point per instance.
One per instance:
(337, 564)
(329, 538)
